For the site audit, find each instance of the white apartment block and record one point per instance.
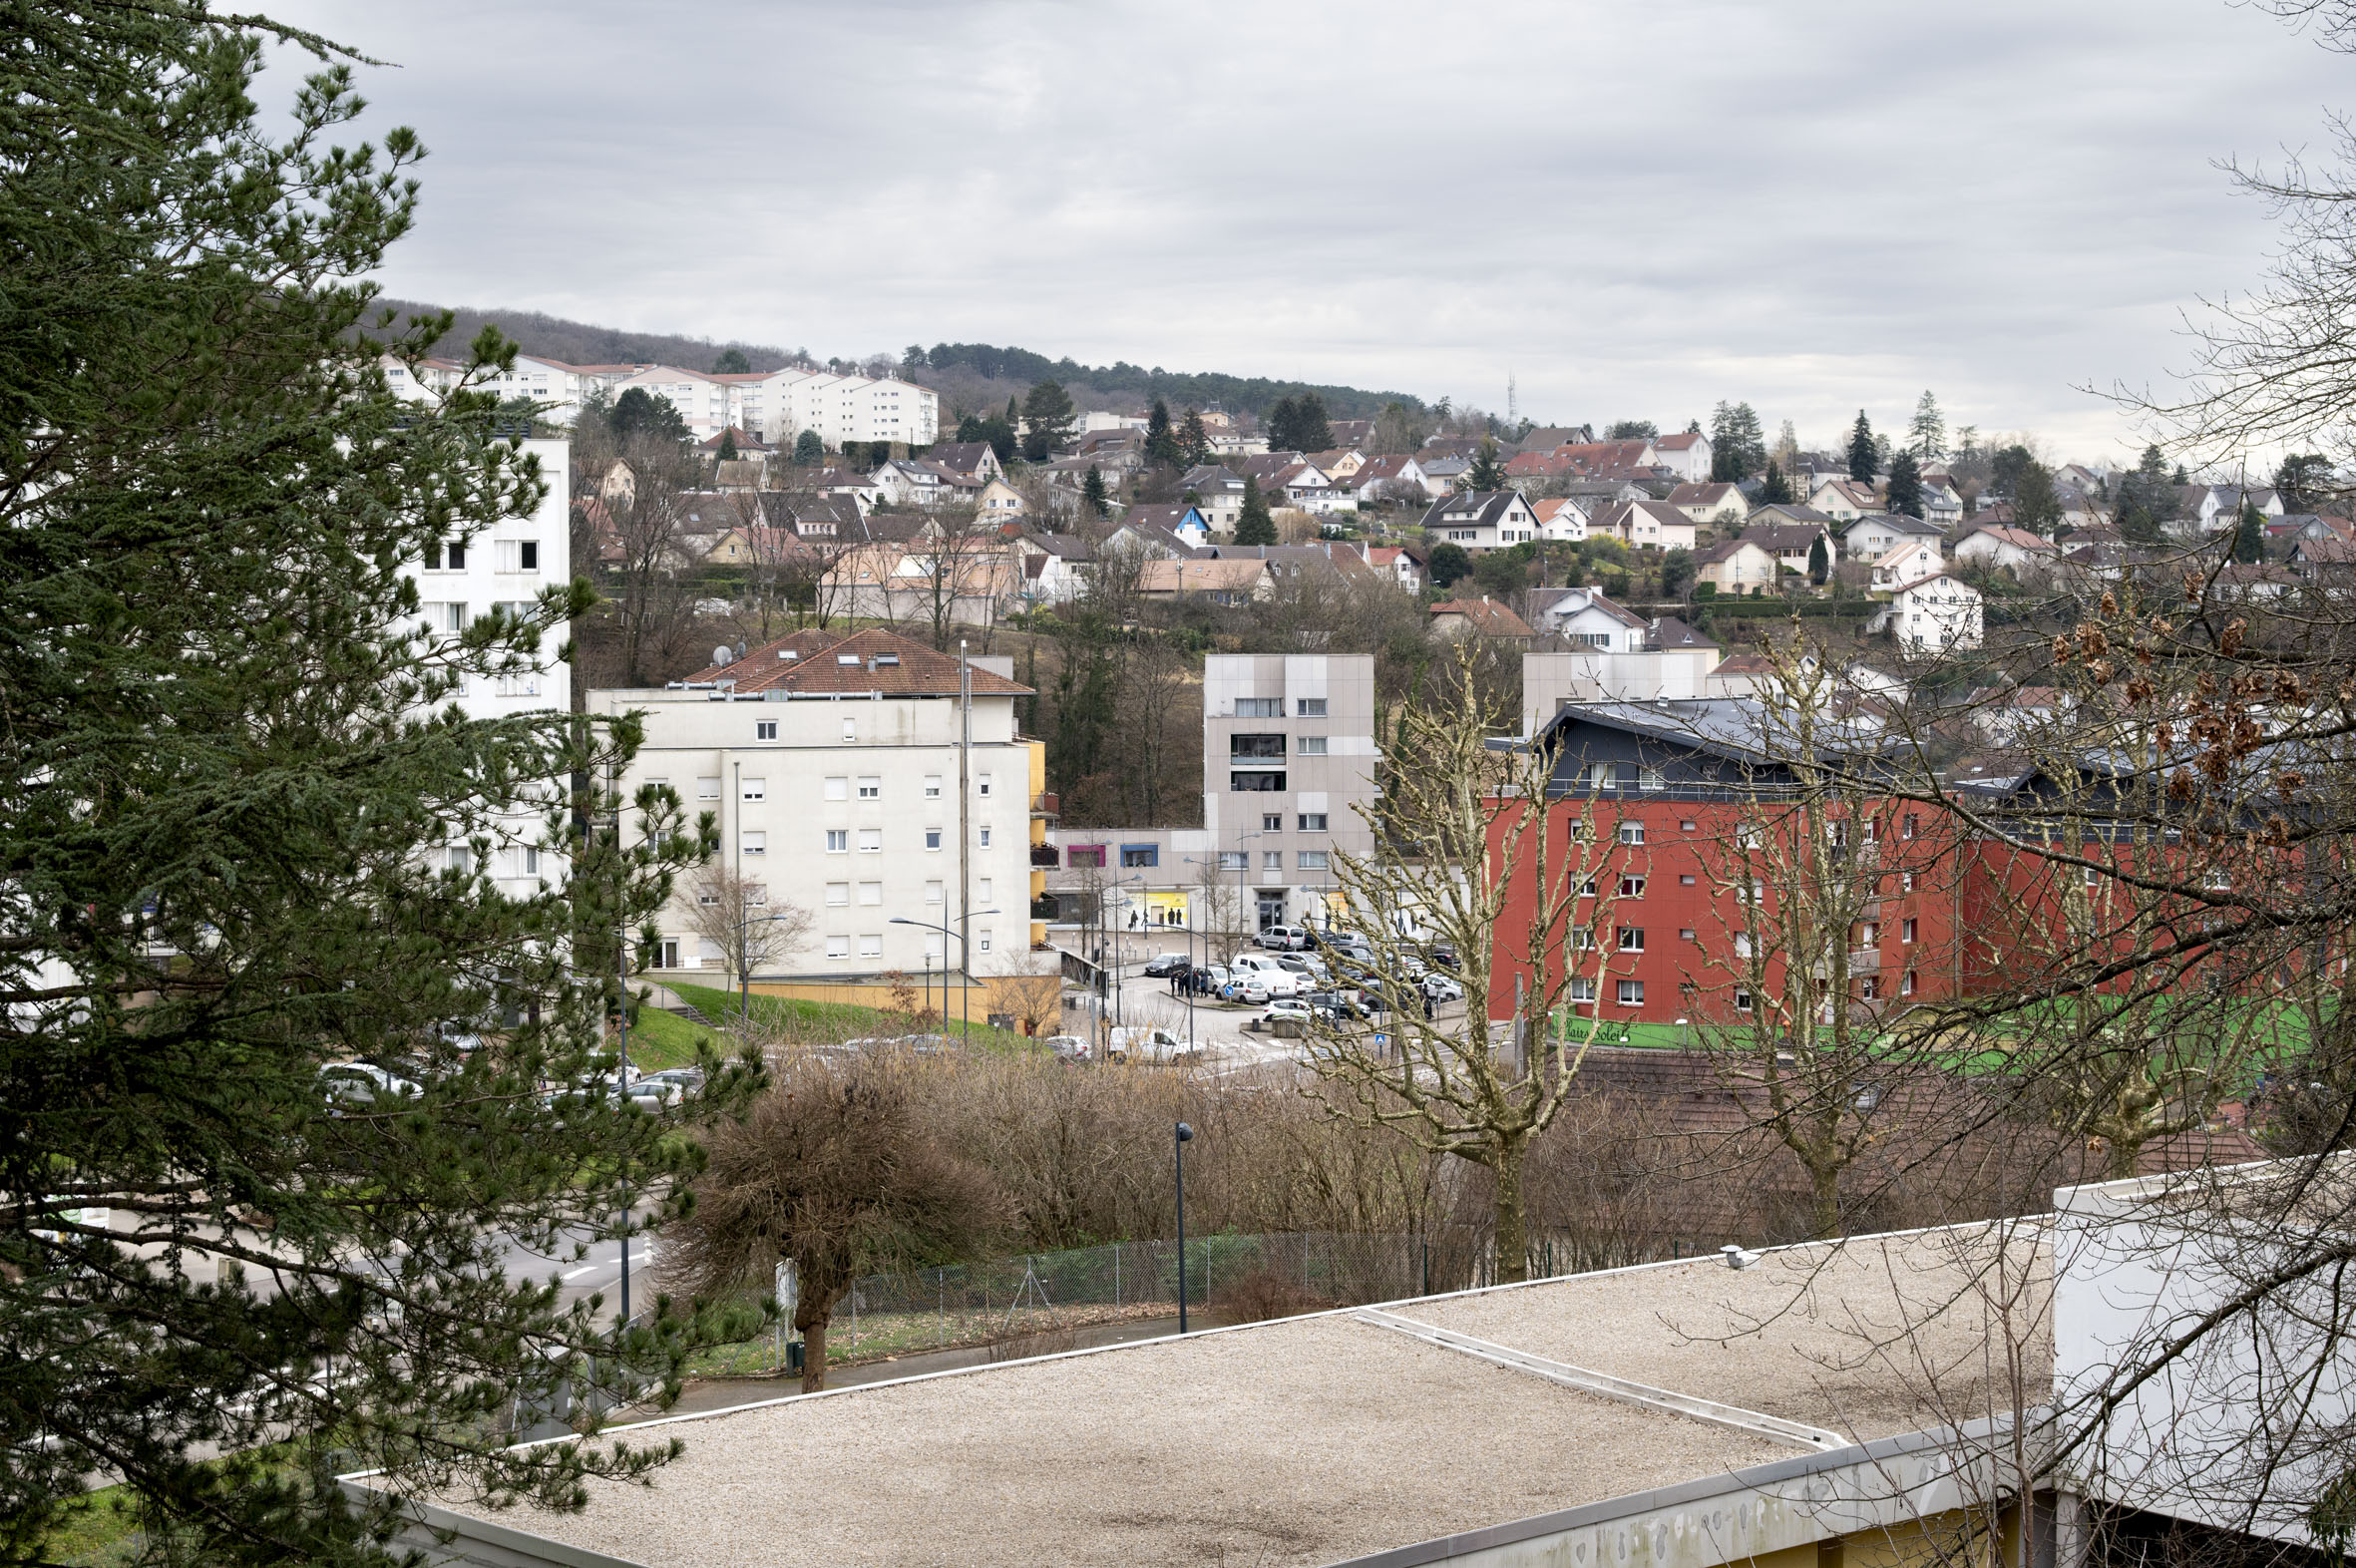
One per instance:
(835, 767)
(1288, 758)
(559, 388)
(778, 405)
(508, 564)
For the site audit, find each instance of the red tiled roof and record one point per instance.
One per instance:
(1487, 616)
(821, 662)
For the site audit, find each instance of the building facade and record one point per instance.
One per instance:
(1289, 761)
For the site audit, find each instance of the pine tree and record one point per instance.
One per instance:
(1738, 446)
(1819, 561)
(1862, 457)
(2249, 533)
(810, 452)
(1093, 495)
(228, 741)
(1487, 472)
(1283, 427)
(1194, 442)
(2037, 506)
(1310, 429)
(1161, 442)
(1926, 433)
(1253, 526)
(727, 445)
(1047, 412)
(1905, 494)
(1777, 488)
(731, 363)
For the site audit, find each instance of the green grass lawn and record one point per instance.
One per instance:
(99, 1531)
(819, 1022)
(661, 1040)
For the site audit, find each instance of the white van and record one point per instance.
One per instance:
(1146, 1044)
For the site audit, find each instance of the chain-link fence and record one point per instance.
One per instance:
(1037, 1299)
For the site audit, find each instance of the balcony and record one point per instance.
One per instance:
(1046, 855)
(1045, 805)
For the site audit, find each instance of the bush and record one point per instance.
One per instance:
(1262, 1295)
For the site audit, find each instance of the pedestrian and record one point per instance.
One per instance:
(1429, 1011)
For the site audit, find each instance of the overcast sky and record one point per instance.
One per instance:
(1634, 210)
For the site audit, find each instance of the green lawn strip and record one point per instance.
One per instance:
(661, 1040)
(881, 1335)
(99, 1529)
(817, 1022)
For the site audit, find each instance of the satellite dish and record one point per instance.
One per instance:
(724, 654)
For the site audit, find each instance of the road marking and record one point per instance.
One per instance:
(584, 1269)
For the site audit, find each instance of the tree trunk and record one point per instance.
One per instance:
(1512, 1224)
(813, 1326)
(1824, 1202)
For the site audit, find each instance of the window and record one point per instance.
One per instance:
(756, 843)
(982, 785)
(1631, 833)
(1649, 778)
(1311, 859)
(838, 789)
(708, 789)
(1868, 933)
(838, 841)
(1229, 860)
(982, 889)
(1309, 708)
(1686, 879)
(1077, 856)
(1582, 940)
(1631, 887)
(1313, 822)
(524, 684)
(1906, 882)
(1742, 999)
(838, 892)
(1251, 747)
(2092, 877)
(1313, 745)
(1907, 983)
(1602, 776)
(447, 555)
(1632, 994)
(1272, 822)
(1870, 988)
(1272, 859)
(707, 952)
(764, 729)
(1582, 988)
(1259, 707)
(1629, 939)
(756, 789)
(519, 554)
(528, 861)
(870, 789)
(1685, 933)
(933, 892)
(461, 858)
(933, 842)
(1689, 827)
(871, 841)
(1141, 855)
(849, 729)
(442, 616)
(1256, 783)
(985, 838)
(982, 942)
(756, 894)
(1906, 930)
(870, 946)
(870, 892)
(838, 946)
(931, 786)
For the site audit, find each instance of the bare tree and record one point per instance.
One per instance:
(835, 1172)
(652, 561)
(1035, 997)
(738, 917)
(1462, 837)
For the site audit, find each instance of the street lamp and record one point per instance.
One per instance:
(1184, 1137)
(965, 992)
(744, 978)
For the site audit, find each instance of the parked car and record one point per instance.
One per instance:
(1208, 980)
(689, 1080)
(1440, 988)
(1163, 964)
(1443, 956)
(1146, 1044)
(360, 1084)
(1283, 938)
(1305, 964)
(1259, 986)
(1068, 1048)
(1346, 941)
(1288, 1016)
(1342, 1004)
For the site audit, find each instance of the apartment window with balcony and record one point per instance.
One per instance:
(838, 841)
(1313, 745)
(1256, 783)
(1313, 822)
(1650, 778)
(1259, 707)
(1631, 994)
(764, 729)
(1246, 748)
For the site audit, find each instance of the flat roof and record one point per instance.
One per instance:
(1307, 1440)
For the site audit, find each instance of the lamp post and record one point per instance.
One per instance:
(962, 963)
(744, 978)
(623, 1020)
(1185, 1135)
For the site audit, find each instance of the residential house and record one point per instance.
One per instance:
(748, 444)
(1932, 615)
(2079, 510)
(1221, 582)
(1876, 533)
(1910, 560)
(1669, 634)
(1534, 470)
(2005, 548)
(1393, 478)
(970, 580)
(1943, 502)
(1056, 567)
(2205, 508)
(1457, 618)
(833, 763)
(1175, 520)
(1218, 493)
(920, 482)
(1481, 520)
(1444, 470)
(2325, 560)
(1644, 524)
(1337, 463)
(1710, 502)
(1561, 516)
(1397, 563)
(1844, 500)
(1583, 616)
(2249, 581)
(1615, 460)
(970, 460)
(1357, 433)
(739, 473)
(1791, 541)
(1737, 567)
(1686, 455)
(1545, 438)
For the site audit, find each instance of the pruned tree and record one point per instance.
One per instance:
(1464, 835)
(834, 1171)
(736, 916)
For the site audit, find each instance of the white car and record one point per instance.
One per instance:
(1283, 938)
(362, 1084)
(1286, 1017)
(1440, 988)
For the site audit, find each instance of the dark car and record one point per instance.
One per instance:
(1164, 965)
(1443, 956)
